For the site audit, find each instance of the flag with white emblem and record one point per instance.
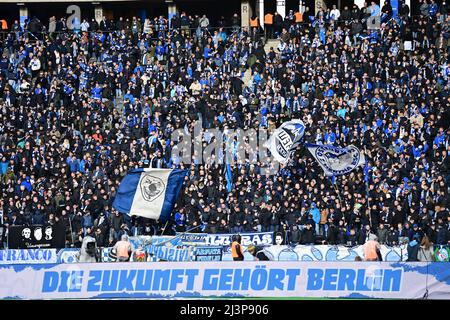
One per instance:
(336, 161)
(285, 139)
(149, 193)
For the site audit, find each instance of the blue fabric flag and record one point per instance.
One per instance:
(229, 177)
(150, 193)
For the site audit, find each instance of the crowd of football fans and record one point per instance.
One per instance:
(81, 106)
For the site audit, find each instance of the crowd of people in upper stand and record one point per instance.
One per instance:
(81, 107)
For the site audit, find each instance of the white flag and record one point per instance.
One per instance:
(285, 139)
(336, 161)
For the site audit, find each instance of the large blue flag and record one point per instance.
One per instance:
(229, 177)
(149, 193)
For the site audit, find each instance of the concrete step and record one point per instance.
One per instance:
(247, 77)
(118, 103)
(271, 43)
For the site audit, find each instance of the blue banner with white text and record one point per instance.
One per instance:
(226, 279)
(32, 256)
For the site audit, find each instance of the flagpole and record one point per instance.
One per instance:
(182, 233)
(164, 229)
(366, 179)
(337, 190)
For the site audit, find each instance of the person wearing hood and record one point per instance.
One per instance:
(237, 252)
(415, 232)
(27, 184)
(315, 212)
(88, 251)
(392, 238)
(426, 252)
(308, 236)
(413, 249)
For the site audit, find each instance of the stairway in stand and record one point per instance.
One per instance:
(248, 73)
(271, 43)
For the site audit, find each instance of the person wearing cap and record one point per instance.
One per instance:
(413, 248)
(393, 237)
(415, 232)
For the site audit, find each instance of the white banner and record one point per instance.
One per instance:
(226, 279)
(68, 255)
(333, 253)
(323, 253)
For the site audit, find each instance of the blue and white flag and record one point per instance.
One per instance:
(149, 193)
(285, 139)
(335, 160)
(229, 177)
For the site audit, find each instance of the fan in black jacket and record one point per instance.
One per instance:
(330, 232)
(308, 236)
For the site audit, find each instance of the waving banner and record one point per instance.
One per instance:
(442, 254)
(149, 193)
(285, 139)
(336, 161)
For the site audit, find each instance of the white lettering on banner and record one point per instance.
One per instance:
(226, 279)
(206, 253)
(14, 256)
(169, 254)
(261, 238)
